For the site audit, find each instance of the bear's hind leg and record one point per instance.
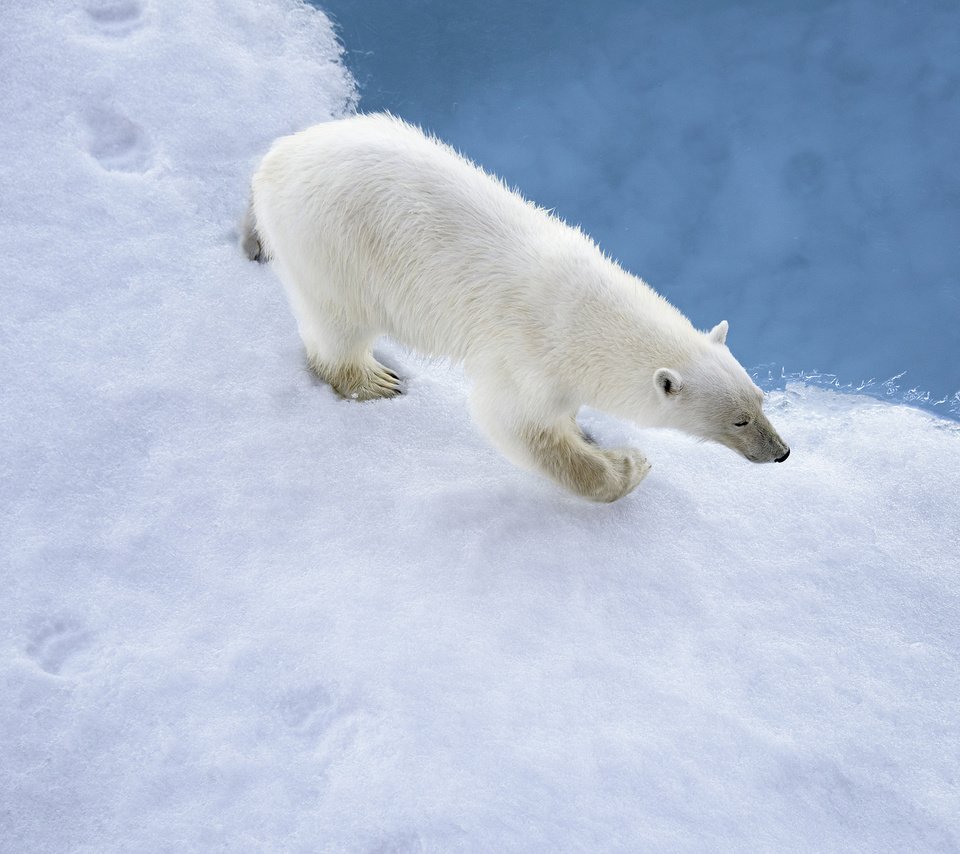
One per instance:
(359, 378)
(339, 350)
(250, 240)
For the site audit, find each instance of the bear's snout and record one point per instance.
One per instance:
(781, 459)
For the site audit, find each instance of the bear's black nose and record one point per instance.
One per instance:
(781, 459)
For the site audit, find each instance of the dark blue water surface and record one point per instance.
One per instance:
(791, 167)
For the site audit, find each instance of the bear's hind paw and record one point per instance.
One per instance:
(360, 382)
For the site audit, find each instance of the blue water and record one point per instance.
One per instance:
(791, 167)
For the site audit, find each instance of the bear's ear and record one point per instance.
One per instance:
(719, 332)
(668, 383)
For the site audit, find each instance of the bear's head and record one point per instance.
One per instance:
(712, 397)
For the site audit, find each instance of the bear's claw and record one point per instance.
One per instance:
(359, 382)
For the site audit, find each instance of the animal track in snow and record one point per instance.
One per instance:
(309, 710)
(55, 640)
(115, 17)
(119, 144)
(403, 843)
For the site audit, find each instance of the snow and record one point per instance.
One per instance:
(241, 614)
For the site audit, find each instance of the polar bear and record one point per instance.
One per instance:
(375, 228)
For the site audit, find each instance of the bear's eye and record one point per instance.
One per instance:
(741, 423)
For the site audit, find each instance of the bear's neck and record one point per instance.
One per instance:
(627, 332)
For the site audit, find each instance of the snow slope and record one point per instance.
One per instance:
(240, 614)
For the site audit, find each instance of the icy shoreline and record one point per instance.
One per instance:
(895, 390)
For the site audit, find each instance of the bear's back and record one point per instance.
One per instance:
(436, 251)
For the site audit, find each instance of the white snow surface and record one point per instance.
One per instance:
(241, 614)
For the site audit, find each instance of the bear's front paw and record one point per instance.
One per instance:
(629, 466)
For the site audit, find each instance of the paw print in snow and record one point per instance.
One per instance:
(308, 710)
(115, 17)
(119, 144)
(54, 641)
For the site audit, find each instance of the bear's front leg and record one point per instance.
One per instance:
(536, 433)
(564, 454)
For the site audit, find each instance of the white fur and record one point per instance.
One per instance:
(375, 228)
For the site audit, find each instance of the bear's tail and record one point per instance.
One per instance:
(250, 240)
